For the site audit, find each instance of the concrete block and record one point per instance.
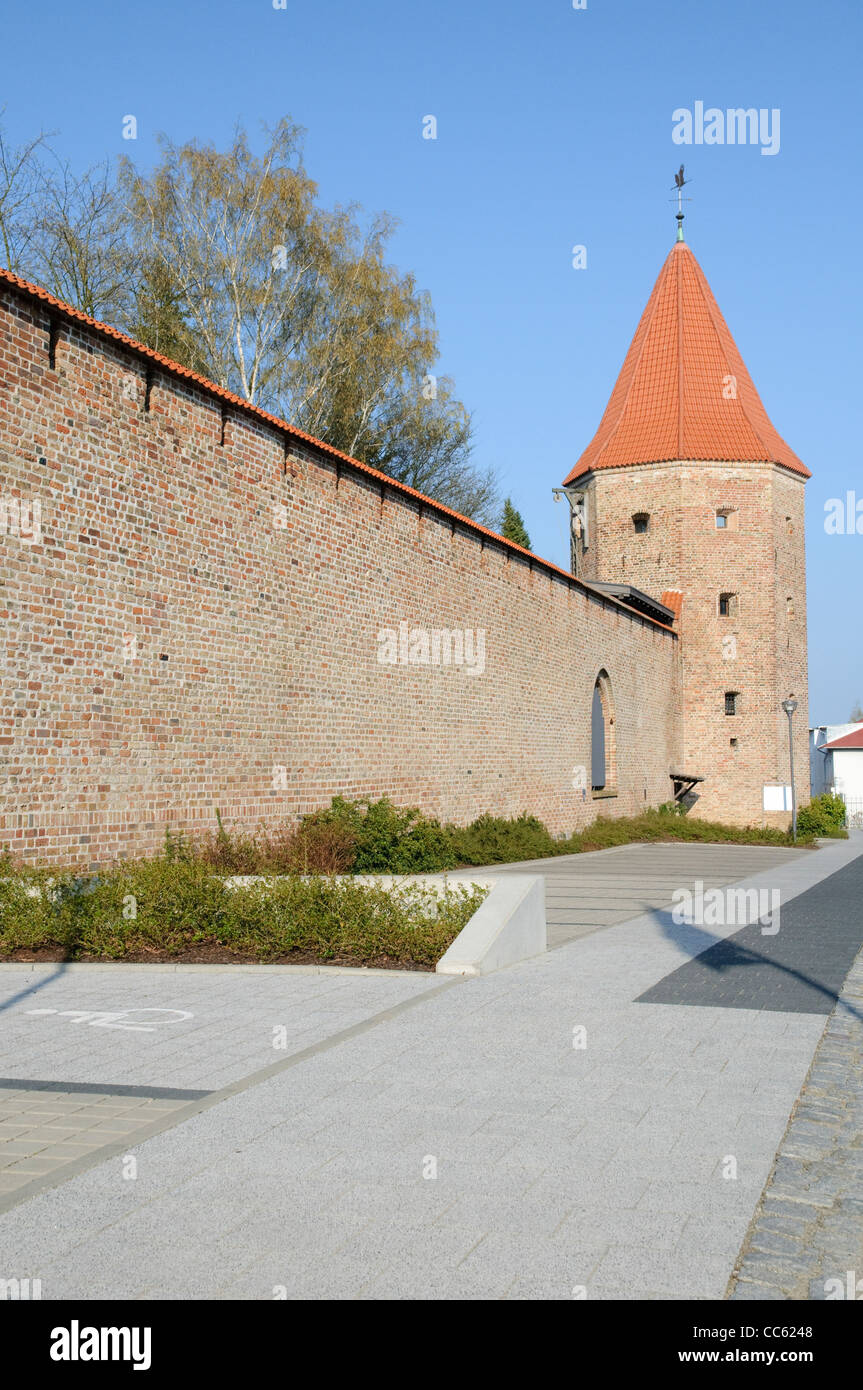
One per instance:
(509, 926)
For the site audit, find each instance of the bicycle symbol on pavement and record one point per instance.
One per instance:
(115, 1018)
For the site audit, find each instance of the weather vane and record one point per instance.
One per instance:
(679, 182)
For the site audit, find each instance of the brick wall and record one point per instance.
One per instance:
(198, 627)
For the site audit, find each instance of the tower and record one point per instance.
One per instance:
(687, 492)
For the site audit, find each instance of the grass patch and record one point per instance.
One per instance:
(181, 908)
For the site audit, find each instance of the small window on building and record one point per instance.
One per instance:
(734, 743)
(728, 605)
(641, 523)
(731, 701)
(726, 519)
(789, 525)
(789, 608)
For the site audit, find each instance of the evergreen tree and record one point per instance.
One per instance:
(512, 526)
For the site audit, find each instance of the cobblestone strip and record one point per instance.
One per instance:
(808, 1228)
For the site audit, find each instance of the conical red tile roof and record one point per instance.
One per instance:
(674, 397)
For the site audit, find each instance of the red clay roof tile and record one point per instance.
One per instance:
(673, 599)
(674, 397)
(852, 740)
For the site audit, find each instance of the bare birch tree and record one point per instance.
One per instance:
(80, 251)
(241, 241)
(224, 261)
(20, 182)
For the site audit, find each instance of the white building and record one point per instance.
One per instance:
(836, 763)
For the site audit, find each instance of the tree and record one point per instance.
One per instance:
(156, 315)
(426, 443)
(79, 250)
(224, 261)
(296, 309)
(856, 715)
(20, 177)
(370, 342)
(62, 230)
(512, 526)
(238, 242)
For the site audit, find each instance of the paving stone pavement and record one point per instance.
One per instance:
(186, 1026)
(798, 968)
(587, 892)
(806, 1239)
(45, 1129)
(461, 1144)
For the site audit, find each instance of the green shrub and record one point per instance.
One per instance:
(28, 916)
(824, 816)
(660, 825)
(182, 900)
(376, 837)
(490, 840)
(158, 907)
(387, 839)
(325, 848)
(495, 840)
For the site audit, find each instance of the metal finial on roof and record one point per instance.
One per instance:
(679, 181)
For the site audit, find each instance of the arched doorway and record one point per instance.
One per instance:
(603, 759)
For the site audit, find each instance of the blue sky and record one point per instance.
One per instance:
(553, 129)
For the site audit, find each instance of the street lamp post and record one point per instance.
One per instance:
(789, 707)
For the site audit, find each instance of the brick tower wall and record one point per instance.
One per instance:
(757, 651)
